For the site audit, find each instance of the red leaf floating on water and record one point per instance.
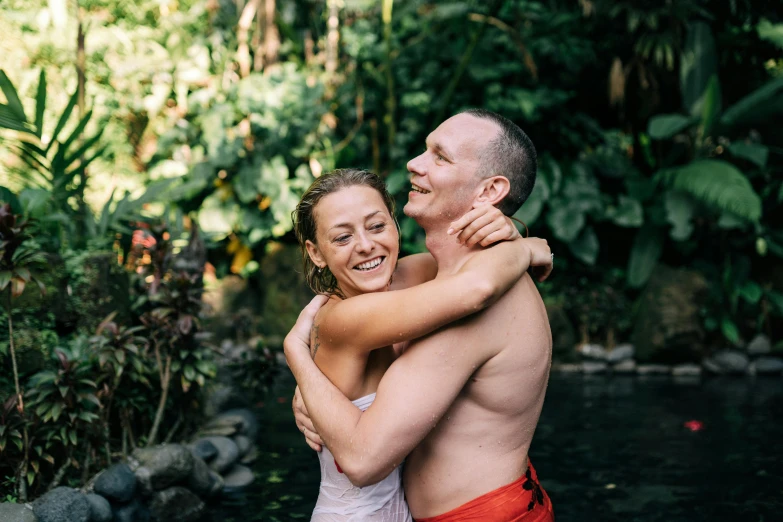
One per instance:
(694, 425)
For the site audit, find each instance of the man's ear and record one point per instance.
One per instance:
(315, 254)
(493, 190)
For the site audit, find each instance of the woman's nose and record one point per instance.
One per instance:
(364, 243)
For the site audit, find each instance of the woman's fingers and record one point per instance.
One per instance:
(486, 231)
(474, 227)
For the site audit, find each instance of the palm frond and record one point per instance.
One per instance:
(717, 184)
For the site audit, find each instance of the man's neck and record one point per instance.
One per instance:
(448, 253)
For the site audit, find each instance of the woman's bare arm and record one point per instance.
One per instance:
(370, 321)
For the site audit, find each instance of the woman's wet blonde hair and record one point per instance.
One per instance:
(305, 226)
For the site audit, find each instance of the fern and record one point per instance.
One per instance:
(717, 184)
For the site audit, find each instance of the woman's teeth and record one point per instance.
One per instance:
(414, 188)
(369, 265)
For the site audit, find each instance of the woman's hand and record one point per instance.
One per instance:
(541, 259)
(484, 225)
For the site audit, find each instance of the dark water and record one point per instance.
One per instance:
(606, 449)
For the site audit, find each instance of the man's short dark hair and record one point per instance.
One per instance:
(511, 154)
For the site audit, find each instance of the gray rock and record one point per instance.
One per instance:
(100, 509)
(243, 443)
(591, 367)
(135, 511)
(726, 362)
(176, 504)
(222, 397)
(161, 466)
(217, 484)
(251, 455)
(62, 505)
(621, 352)
(653, 369)
(228, 453)
(688, 369)
(117, 483)
(567, 367)
(17, 513)
(595, 352)
(759, 345)
(242, 419)
(624, 367)
(767, 366)
(200, 480)
(204, 450)
(668, 324)
(238, 479)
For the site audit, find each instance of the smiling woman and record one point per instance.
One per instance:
(350, 245)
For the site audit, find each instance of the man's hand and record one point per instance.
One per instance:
(541, 260)
(484, 225)
(304, 423)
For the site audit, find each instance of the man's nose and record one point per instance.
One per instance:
(416, 165)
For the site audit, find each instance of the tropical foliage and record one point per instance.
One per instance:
(142, 141)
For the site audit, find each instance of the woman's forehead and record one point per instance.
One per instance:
(350, 205)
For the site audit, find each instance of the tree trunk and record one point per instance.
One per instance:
(391, 99)
(19, 399)
(271, 34)
(243, 28)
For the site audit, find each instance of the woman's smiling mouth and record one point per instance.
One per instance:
(372, 264)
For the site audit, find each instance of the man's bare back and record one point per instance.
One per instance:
(482, 441)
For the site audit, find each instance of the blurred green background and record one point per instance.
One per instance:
(124, 124)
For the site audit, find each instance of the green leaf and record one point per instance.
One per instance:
(730, 330)
(715, 183)
(565, 222)
(40, 104)
(8, 120)
(5, 278)
(628, 213)
(711, 106)
(63, 120)
(667, 125)
(530, 210)
(770, 32)
(14, 104)
(190, 373)
(750, 292)
(585, 248)
(6, 196)
(679, 213)
(72, 436)
(698, 63)
(57, 410)
(645, 252)
(760, 105)
(753, 152)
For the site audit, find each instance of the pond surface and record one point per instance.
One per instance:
(606, 449)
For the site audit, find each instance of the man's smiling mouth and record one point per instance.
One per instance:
(370, 265)
(418, 189)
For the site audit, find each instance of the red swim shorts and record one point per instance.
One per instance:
(523, 499)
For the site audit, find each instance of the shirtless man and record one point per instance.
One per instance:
(459, 405)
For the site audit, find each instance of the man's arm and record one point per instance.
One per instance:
(412, 397)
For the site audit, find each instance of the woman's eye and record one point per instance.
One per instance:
(342, 239)
(378, 226)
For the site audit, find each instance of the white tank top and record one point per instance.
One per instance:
(341, 501)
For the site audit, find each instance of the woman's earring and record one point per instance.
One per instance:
(320, 269)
